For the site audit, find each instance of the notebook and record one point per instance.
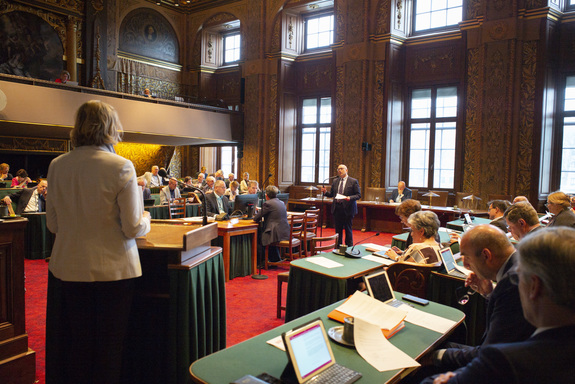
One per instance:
(379, 287)
(310, 354)
(451, 266)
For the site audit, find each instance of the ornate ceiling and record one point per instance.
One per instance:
(191, 6)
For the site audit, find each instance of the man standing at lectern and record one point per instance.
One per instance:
(345, 191)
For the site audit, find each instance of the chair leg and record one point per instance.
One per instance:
(279, 300)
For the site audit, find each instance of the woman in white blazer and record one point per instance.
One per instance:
(96, 210)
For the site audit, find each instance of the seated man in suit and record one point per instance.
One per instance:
(170, 191)
(521, 219)
(209, 186)
(487, 252)
(276, 227)
(30, 199)
(153, 180)
(200, 182)
(401, 193)
(230, 179)
(217, 202)
(545, 268)
(496, 210)
(253, 187)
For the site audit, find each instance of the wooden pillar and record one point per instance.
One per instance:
(71, 50)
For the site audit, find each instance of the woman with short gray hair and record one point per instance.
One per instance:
(425, 249)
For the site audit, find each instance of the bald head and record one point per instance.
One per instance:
(485, 248)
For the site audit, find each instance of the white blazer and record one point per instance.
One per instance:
(95, 208)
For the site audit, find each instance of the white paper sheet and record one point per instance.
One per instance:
(372, 310)
(371, 247)
(378, 259)
(340, 197)
(324, 262)
(377, 350)
(427, 320)
(277, 342)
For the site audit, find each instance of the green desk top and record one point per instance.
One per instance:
(255, 356)
(458, 224)
(351, 266)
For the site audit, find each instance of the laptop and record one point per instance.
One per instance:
(451, 266)
(379, 287)
(149, 202)
(310, 354)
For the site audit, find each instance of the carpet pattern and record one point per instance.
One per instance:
(251, 304)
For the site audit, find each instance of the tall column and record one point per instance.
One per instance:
(71, 48)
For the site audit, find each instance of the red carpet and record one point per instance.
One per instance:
(250, 302)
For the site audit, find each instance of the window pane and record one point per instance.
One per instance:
(437, 13)
(421, 104)
(446, 105)
(324, 152)
(444, 167)
(309, 111)
(419, 155)
(570, 94)
(568, 158)
(308, 156)
(325, 110)
(319, 31)
(232, 48)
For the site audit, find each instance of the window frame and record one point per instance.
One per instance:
(557, 136)
(235, 32)
(318, 125)
(433, 121)
(235, 160)
(447, 28)
(316, 15)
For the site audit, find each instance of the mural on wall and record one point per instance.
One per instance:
(29, 47)
(146, 32)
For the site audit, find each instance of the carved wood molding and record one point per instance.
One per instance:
(272, 153)
(473, 121)
(338, 135)
(377, 127)
(527, 117)
(30, 144)
(382, 20)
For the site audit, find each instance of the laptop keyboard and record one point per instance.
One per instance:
(457, 273)
(336, 374)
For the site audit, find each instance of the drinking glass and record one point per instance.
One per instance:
(377, 200)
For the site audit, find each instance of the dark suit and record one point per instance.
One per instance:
(275, 226)
(23, 196)
(504, 321)
(500, 223)
(565, 218)
(212, 204)
(544, 358)
(406, 194)
(343, 211)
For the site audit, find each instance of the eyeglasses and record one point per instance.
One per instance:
(464, 294)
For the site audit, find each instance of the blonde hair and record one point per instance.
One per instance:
(560, 198)
(97, 123)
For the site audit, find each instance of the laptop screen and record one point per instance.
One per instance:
(379, 287)
(309, 350)
(447, 258)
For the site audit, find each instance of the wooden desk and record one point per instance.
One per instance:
(311, 287)
(255, 356)
(457, 225)
(239, 260)
(17, 361)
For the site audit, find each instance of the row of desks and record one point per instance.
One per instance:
(374, 216)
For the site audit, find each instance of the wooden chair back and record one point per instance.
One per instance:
(323, 244)
(440, 201)
(371, 193)
(410, 278)
(177, 208)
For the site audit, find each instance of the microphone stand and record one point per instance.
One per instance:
(321, 208)
(204, 204)
(357, 254)
(259, 276)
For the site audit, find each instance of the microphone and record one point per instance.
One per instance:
(329, 178)
(204, 204)
(356, 254)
